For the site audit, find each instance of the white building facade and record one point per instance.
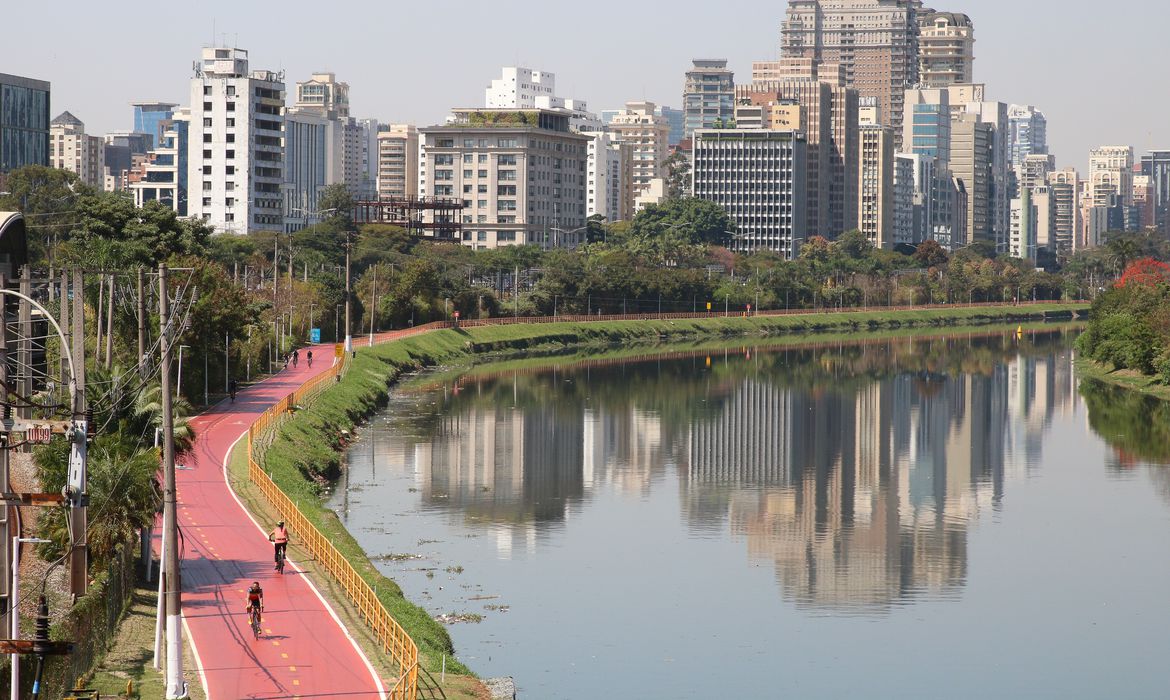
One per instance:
(236, 152)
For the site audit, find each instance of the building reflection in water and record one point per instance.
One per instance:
(854, 471)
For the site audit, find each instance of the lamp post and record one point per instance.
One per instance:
(179, 382)
(14, 616)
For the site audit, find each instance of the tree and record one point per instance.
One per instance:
(931, 254)
(682, 221)
(48, 198)
(338, 201)
(678, 175)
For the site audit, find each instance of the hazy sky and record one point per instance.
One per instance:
(1099, 76)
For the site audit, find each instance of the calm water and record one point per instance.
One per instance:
(929, 518)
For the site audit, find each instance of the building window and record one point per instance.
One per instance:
(206, 153)
(482, 189)
(231, 106)
(483, 158)
(206, 89)
(505, 236)
(467, 174)
(444, 159)
(229, 217)
(229, 186)
(231, 170)
(206, 185)
(505, 190)
(469, 143)
(207, 121)
(229, 202)
(507, 143)
(444, 143)
(467, 189)
(229, 154)
(506, 160)
(231, 122)
(231, 90)
(468, 159)
(207, 138)
(231, 138)
(482, 173)
(207, 170)
(206, 106)
(207, 201)
(481, 236)
(481, 203)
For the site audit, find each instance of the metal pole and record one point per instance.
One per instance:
(10, 531)
(110, 326)
(78, 518)
(176, 688)
(142, 323)
(97, 346)
(227, 373)
(373, 304)
(348, 294)
(14, 618)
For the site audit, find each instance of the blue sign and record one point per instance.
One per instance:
(315, 335)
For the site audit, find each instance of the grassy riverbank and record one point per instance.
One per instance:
(306, 456)
(1125, 378)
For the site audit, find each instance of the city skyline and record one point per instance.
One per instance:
(1008, 59)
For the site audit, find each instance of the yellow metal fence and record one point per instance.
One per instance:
(395, 641)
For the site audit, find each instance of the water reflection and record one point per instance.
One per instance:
(854, 471)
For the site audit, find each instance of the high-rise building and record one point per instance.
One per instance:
(236, 164)
(366, 132)
(306, 167)
(124, 152)
(164, 173)
(647, 133)
(874, 41)
(875, 188)
(1033, 172)
(72, 149)
(829, 119)
(521, 173)
(1023, 227)
(24, 122)
(1111, 174)
(606, 171)
(153, 118)
(677, 120)
(708, 95)
(903, 201)
(946, 48)
(1064, 187)
(757, 177)
(1027, 133)
(971, 151)
(398, 161)
(1156, 166)
(927, 128)
(1000, 182)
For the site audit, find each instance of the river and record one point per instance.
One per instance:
(930, 517)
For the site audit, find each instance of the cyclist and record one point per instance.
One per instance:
(256, 600)
(232, 389)
(296, 356)
(309, 357)
(279, 538)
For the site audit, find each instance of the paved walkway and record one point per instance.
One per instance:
(304, 651)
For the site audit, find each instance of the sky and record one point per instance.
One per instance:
(1098, 76)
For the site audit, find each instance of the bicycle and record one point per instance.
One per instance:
(309, 357)
(254, 620)
(280, 560)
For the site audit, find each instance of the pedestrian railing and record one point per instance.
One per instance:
(393, 638)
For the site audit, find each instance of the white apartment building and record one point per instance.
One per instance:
(946, 48)
(164, 175)
(607, 172)
(647, 133)
(520, 88)
(398, 161)
(520, 174)
(903, 200)
(758, 177)
(70, 148)
(1111, 173)
(1065, 192)
(235, 166)
(1022, 237)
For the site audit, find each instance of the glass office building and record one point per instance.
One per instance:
(153, 118)
(24, 122)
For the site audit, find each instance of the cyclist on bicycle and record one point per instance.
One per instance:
(232, 389)
(296, 356)
(279, 538)
(256, 600)
(309, 357)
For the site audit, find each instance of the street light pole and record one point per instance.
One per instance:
(176, 687)
(14, 595)
(348, 293)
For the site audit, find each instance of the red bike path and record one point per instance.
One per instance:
(304, 651)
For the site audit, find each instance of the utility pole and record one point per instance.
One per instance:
(348, 293)
(275, 302)
(227, 362)
(110, 326)
(6, 591)
(66, 327)
(97, 345)
(78, 519)
(142, 324)
(373, 304)
(176, 688)
(24, 344)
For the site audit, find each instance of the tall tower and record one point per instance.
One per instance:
(946, 49)
(708, 95)
(236, 155)
(874, 41)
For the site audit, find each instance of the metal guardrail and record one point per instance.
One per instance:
(394, 639)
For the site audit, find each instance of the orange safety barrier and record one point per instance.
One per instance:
(395, 641)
